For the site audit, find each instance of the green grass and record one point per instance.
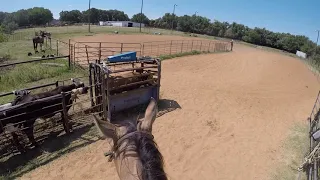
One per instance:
(18, 50)
(27, 73)
(72, 31)
(294, 149)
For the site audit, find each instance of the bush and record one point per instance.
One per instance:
(3, 37)
(10, 27)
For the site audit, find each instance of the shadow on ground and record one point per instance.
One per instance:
(165, 106)
(55, 145)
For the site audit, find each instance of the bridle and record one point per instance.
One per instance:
(118, 143)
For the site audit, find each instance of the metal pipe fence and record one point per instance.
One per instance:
(87, 52)
(42, 108)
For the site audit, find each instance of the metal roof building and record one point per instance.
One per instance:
(120, 23)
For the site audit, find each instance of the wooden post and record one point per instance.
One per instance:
(87, 54)
(170, 46)
(99, 51)
(50, 44)
(201, 46)
(121, 48)
(181, 46)
(192, 46)
(142, 50)
(46, 43)
(57, 47)
(69, 47)
(73, 49)
(69, 62)
(64, 114)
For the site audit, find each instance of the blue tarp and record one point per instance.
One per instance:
(125, 57)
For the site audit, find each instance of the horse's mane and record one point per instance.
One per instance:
(150, 156)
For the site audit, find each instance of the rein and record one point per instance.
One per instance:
(111, 153)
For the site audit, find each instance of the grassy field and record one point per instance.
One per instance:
(71, 31)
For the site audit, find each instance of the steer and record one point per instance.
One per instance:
(45, 109)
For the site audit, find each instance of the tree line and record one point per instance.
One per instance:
(25, 17)
(190, 24)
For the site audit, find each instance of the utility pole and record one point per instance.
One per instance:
(89, 15)
(174, 9)
(317, 41)
(141, 14)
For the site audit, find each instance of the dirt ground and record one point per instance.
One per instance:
(236, 111)
(138, 38)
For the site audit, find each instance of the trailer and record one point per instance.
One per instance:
(122, 82)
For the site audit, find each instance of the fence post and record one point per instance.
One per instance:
(200, 46)
(73, 49)
(46, 43)
(87, 54)
(170, 46)
(50, 44)
(57, 47)
(121, 48)
(209, 46)
(181, 46)
(99, 51)
(192, 46)
(65, 116)
(143, 49)
(69, 47)
(69, 62)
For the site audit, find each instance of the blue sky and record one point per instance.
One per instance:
(293, 16)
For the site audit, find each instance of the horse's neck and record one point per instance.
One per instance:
(128, 163)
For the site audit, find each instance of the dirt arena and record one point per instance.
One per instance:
(236, 111)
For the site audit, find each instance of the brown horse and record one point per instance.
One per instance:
(134, 151)
(40, 40)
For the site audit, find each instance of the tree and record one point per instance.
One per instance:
(185, 23)
(40, 16)
(2, 16)
(21, 17)
(74, 16)
(138, 17)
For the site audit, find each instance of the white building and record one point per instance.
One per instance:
(120, 23)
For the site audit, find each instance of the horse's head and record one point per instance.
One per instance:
(134, 151)
(115, 132)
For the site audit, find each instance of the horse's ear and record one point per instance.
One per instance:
(149, 117)
(106, 129)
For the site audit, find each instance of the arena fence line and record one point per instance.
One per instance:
(84, 53)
